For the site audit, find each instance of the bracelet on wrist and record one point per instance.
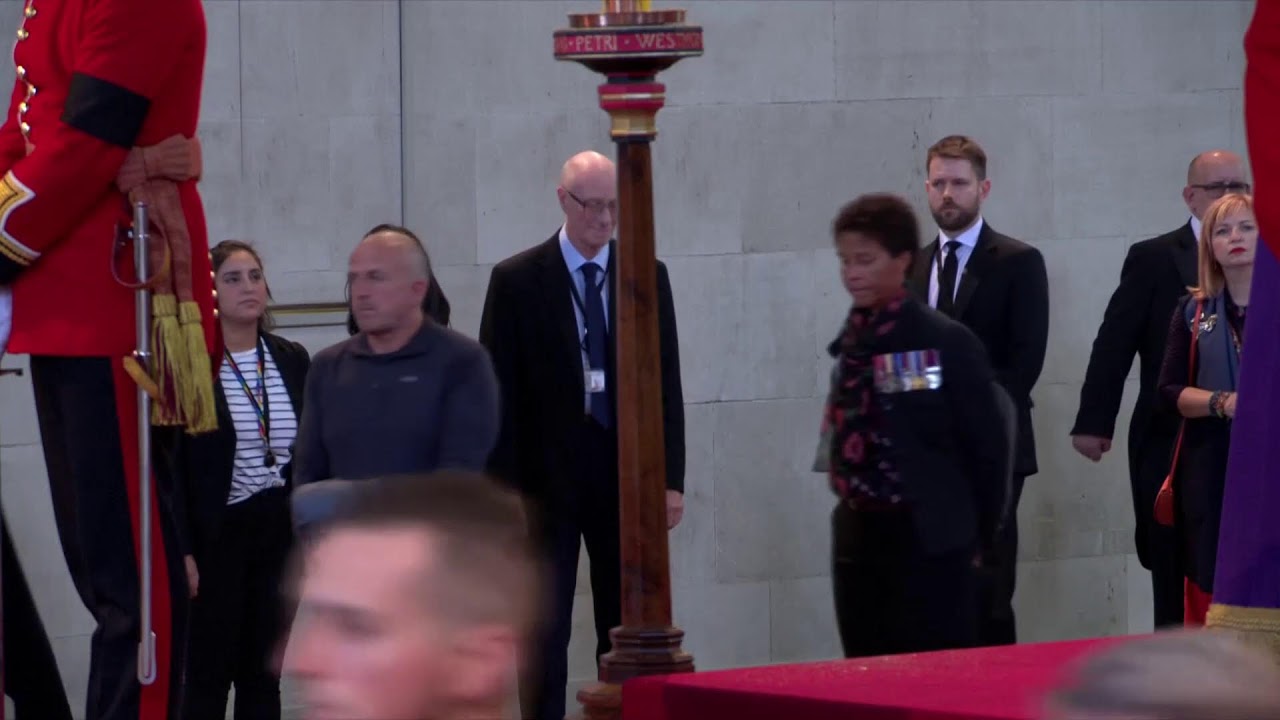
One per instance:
(1215, 403)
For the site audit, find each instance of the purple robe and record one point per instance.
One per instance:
(1246, 587)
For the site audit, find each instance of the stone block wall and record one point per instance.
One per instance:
(322, 118)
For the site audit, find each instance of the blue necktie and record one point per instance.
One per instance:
(597, 336)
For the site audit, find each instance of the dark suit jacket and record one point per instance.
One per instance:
(202, 464)
(1003, 297)
(1156, 273)
(531, 332)
(950, 446)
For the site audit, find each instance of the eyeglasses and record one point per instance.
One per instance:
(1219, 189)
(594, 206)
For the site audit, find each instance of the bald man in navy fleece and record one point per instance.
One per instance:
(403, 395)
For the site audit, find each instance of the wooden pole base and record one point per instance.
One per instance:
(636, 652)
(601, 701)
(630, 48)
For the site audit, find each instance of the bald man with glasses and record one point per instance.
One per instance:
(548, 321)
(1155, 274)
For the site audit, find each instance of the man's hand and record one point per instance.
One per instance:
(193, 575)
(1091, 446)
(1229, 406)
(675, 508)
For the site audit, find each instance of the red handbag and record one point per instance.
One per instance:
(1164, 499)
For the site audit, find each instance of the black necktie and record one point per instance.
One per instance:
(597, 336)
(947, 279)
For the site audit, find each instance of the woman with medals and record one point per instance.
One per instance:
(235, 502)
(1199, 377)
(917, 449)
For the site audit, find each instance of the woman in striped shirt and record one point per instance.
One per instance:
(235, 501)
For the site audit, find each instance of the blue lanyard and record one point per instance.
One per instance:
(261, 407)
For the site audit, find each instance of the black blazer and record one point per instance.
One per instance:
(530, 330)
(1156, 273)
(1003, 297)
(202, 464)
(951, 446)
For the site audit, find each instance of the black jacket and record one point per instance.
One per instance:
(1003, 297)
(951, 446)
(530, 330)
(200, 466)
(1155, 274)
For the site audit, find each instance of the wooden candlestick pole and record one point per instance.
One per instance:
(630, 44)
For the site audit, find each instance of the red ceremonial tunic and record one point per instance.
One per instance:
(1262, 116)
(94, 79)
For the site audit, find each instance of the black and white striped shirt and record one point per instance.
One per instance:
(249, 475)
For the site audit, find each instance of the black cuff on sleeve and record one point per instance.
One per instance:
(9, 270)
(106, 111)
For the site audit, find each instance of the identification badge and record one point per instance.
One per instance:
(594, 381)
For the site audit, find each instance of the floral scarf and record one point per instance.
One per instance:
(860, 467)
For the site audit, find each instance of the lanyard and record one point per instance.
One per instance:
(261, 406)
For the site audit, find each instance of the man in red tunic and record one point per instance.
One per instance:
(104, 112)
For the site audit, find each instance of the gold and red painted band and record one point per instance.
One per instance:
(632, 107)
(632, 96)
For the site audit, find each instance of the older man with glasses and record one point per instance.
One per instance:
(1155, 274)
(547, 323)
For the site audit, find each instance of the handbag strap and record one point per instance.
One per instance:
(1191, 373)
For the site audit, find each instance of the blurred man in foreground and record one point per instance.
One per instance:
(415, 600)
(1172, 675)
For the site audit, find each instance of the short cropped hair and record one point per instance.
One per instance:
(885, 218)
(959, 147)
(435, 305)
(485, 566)
(1174, 675)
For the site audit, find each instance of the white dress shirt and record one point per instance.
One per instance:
(1195, 227)
(968, 241)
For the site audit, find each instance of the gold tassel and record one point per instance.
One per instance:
(160, 414)
(197, 387)
(170, 360)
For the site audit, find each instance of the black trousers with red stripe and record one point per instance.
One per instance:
(87, 411)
